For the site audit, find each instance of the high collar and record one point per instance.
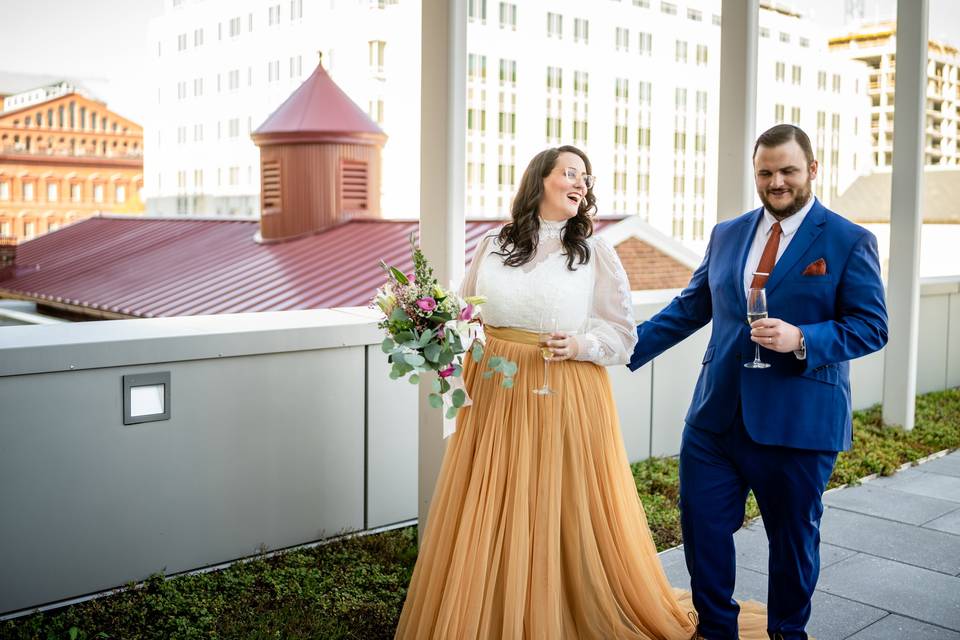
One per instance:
(551, 228)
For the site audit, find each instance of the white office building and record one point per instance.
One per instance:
(635, 83)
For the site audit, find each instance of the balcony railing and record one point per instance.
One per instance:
(284, 428)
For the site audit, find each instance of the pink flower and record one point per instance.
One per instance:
(427, 304)
(411, 277)
(441, 332)
(447, 372)
(467, 312)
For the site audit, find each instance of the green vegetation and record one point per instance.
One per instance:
(354, 587)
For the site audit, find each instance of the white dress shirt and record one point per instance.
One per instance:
(788, 226)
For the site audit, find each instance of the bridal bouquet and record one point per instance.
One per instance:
(431, 329)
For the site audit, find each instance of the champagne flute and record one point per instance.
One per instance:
(756, 310)
(549, 324)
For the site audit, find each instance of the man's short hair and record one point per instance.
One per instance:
(782, 134)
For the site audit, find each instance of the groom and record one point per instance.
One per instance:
(776, 430)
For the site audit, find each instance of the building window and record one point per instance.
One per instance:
(822, 80)
(643, 4)
(702, 55)
(795, 74)
(29, 229)
(645, 91)
(508, 15)
(764, 32)
(680, 99)
(98, 193)
(235, 27)
(233, 80)
(234, 176)
(795, 115)
(668, 8)
(836, 83)
(781, 71)
(273, 71)
(197, 87)
(805, 43)
(477, 10)
(197, 37)
(701, 102)
(5, 191)
(693, 14)
(198, 133)
(622, 39)
(28, 193)
(581, 83)
(182, 42)
(508, 72)
(778, 113)
(645, 43)
(681, 51)
(233, 128)
(581, 30)
(273, 15)
(554, 25)
(622, 88)
(554, 78)
(784, 37)
(377, 48)
(477, 68)
(76, 192)
(182, 90)
(120, 194)
(296, 9)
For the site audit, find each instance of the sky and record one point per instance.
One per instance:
(103, 43)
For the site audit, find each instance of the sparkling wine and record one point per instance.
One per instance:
(753, 317)
(545, 351)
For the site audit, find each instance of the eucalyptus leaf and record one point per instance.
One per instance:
(425, 337)
(509, 368)
(459, 397)
(444, 385)
(446, 356)
(436, 385)
(477, 352)
(495, 362)
(414, 359)
(399, 315)
(507, 383)
(404, 336)
(431, 352)
(452, 412)
(488, 374)
(414, 379)
(435, 400)
(387, 345)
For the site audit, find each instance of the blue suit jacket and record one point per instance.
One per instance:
(794, 403)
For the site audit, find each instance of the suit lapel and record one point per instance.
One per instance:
(746, 234)
(809, 230)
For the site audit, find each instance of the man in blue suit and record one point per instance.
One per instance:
(774, 430)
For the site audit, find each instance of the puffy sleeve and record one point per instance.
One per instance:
(469, 285)
(609, 335)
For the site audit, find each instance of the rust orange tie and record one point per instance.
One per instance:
(767, 259)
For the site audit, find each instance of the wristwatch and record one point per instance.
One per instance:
(801, 353)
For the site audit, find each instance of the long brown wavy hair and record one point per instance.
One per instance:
(518, 239)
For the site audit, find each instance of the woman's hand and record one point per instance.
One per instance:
(564, 346)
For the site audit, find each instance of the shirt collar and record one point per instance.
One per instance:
(788, 226)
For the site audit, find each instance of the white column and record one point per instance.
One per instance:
(906, 216)
(443, 63)
(738, 106)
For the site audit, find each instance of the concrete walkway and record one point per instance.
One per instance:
(890, 558)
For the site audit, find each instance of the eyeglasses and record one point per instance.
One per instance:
(573, 176)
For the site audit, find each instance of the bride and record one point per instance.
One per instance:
(536, 529)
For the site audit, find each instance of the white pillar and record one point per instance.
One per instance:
(738, 106)
(906, 216)
(443, 63)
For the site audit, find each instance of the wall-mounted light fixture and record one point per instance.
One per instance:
(146, 397)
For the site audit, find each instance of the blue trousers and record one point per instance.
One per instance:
(716, 472)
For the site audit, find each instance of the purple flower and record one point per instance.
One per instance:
(427, 304)
(440, 332)
(447, 372)
(467, 312)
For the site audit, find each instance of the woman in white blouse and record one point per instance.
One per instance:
(536, 529)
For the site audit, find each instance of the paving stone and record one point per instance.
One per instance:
(835, 618)
(933, 485)
(896, 587)
(926, 548)
(883, 503)
(895, 627)
(949, 523)
(948, 465)
(675, 566)
(750, 585)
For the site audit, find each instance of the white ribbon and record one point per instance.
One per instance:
(474, 333)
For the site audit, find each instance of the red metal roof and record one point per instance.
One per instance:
(151, 267)
(318, 111)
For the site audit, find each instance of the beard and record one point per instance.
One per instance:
(800, 198)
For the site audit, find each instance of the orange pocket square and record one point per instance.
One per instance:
(816, 268)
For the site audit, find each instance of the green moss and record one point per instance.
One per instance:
(354, 588)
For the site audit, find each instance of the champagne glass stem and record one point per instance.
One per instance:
(546, 374)
(757, 357)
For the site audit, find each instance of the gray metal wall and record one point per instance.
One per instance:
(284, 429)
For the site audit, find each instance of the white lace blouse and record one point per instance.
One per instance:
(593, 302)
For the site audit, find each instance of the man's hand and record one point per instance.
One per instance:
(776, 335)
(564, 346)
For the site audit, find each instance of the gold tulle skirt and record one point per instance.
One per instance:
(536, 529)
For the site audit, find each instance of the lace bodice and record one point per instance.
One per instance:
(592, 302)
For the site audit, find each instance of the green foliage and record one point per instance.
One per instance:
(354, 588)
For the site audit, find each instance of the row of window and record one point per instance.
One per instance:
(70, 116)
(235, 26)
(230, 176)
(231, 80)
(95, 191)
